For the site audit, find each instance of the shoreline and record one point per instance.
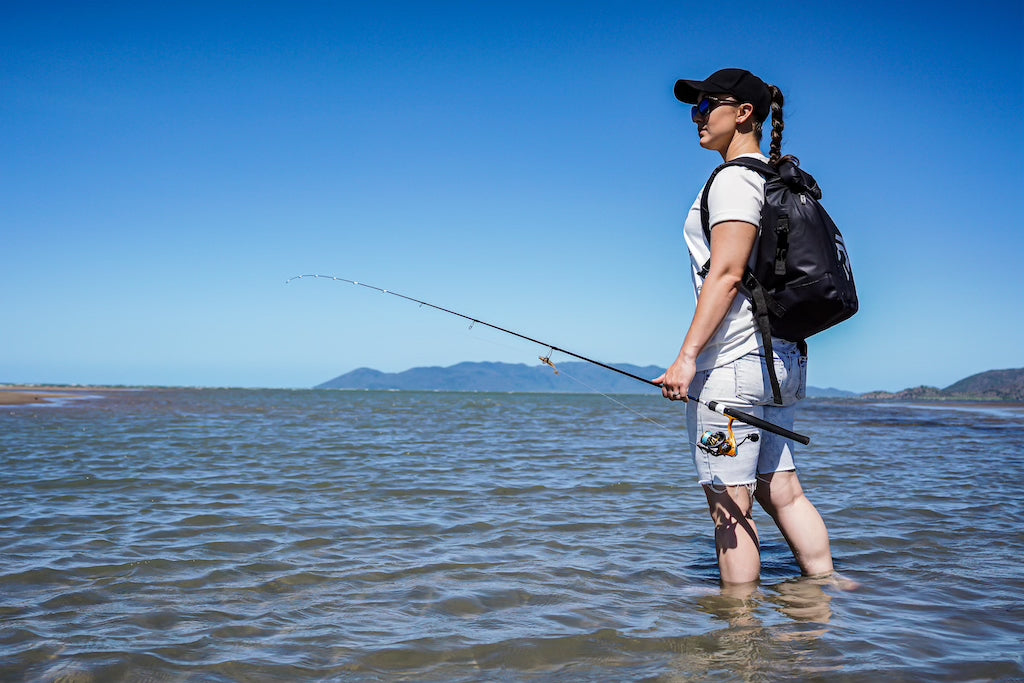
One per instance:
(1008, 406)
(19, 397)
(23, 395)
(48, 394)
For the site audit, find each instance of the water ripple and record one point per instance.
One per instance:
(311, 535)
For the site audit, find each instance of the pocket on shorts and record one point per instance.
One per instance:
(794, 364)
(753, 385)
(801, 391)
(698, 382)
(752, 382)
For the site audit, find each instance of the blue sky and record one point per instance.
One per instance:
(167, 166)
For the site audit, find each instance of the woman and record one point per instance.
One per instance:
(722, 357)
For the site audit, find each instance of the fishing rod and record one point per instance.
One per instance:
(716, 406)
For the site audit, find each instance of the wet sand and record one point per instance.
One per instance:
(20, 398)
(979, 406)
(26, 395)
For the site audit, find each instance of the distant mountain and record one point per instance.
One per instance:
(573, 377)
(580, 377)
(829, 392)
(993, 385)
(1006, 385)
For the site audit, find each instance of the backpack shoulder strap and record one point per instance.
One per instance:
(747, 162)
(753, 164)
(760, 300)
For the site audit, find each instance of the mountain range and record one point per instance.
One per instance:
(581, 377)
(571, 377)
(993, 385)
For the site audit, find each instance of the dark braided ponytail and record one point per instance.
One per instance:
(777, 126)
(775, 157)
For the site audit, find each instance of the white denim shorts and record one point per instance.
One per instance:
(744, 384)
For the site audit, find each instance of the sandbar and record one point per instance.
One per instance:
(27, 395)
(21, 398)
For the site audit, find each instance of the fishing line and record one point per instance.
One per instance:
(711, 405)
(610, 398)
(546, 360)
(711, 442)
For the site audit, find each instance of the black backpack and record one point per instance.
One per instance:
(799, 279)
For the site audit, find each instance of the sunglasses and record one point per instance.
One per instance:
(702, 109)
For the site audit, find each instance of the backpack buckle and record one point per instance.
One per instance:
(781, 244)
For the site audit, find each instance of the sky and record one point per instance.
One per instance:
(166, 167)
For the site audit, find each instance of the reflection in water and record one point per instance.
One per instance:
(802, 600)
(774, 630)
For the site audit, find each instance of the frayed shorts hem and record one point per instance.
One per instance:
(761, 475)
(719, 486)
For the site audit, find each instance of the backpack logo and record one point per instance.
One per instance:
(844, 257)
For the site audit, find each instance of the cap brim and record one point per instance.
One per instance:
(689, 91)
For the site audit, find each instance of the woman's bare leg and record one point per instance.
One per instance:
(739, 555)
(782, 497)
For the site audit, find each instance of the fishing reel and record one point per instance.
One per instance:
(722, 443)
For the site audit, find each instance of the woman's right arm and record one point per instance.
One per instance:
(731, 245)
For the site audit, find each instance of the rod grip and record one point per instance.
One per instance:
(758, 422)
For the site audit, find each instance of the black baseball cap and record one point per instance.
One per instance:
(740, 83)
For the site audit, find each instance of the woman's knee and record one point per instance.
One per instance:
(729, 505)
(778, 490)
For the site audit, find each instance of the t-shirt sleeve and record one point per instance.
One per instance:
(737, 194)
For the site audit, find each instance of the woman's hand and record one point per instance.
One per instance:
(675, 383)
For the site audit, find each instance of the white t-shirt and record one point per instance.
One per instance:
(737, 194)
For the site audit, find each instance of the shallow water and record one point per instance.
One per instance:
(223, 535)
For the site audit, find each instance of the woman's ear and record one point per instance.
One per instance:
(745, 113)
